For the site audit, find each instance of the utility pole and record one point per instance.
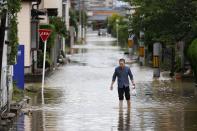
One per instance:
(6, 70)
(142, 49)
(80, 33)
(35, 13)
(3, 85)
(83, 20)
(117, 26)
(156, 59)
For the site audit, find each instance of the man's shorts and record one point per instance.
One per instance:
(124, 91)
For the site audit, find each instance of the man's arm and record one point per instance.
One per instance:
(131, 77)
(113, 80)
(112, 83)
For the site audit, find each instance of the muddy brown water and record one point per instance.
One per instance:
(77, 97)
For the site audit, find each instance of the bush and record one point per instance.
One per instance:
(192, 55)
(123, 35)
(59, 24)
(40, 60)
(122, 28)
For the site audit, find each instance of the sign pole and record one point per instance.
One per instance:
(44, 34)
(43, 71)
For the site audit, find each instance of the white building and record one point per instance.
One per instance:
(65, 12)
(51, 6)
(98, 3)
(109, 3)
(24, 32)
(24, 24)
(59, 8)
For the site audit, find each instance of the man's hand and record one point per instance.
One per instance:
(133, 83)
(111, 87)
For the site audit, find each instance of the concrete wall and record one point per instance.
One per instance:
(68, 6)
(3, 88)
(109, 3)
(51, 4)
(24, 33)
(65, 13)
(72, 35)
(60, 8)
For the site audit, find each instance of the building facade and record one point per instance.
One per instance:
(24, 33)
(61, 9)
(109, 3)
(90, 4)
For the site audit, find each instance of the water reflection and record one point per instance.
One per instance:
(124, 123)
(78, 51)
(21, 123)
(36, 120)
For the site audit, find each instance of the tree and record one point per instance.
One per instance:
(112, 23)
(14, 7)
(73, 19)
(60, 26)
(165, 21)
(192, 55)
(122, 28)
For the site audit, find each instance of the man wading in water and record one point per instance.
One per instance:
(123, 72)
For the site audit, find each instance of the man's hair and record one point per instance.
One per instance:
(122, 60)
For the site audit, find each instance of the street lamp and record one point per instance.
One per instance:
(117, 25)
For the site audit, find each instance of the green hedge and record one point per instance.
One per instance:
(122, 29)
(192, 55)
(60, 26)
(14, 7)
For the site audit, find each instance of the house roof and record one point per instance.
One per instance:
(101, 9)
(98, 18)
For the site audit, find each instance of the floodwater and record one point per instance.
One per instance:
(77, 96)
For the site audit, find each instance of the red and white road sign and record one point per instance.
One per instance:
(44, 34)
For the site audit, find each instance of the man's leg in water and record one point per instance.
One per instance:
(127, 95)
(128, 103)
(121, 97)
(120, 104)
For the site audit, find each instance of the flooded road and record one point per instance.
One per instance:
(78, 98)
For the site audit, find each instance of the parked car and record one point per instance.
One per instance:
(102, 32)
